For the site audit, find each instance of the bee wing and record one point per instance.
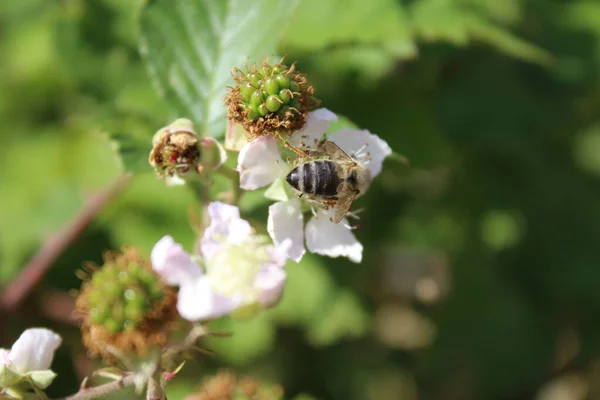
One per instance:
(346, 196)
(335, 153)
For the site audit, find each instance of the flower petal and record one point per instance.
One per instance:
(213, 153)
(259, 163)
(197, 301)
(174, 180)
(235, 136)
(286, 222)
(173, 263)
(368, 148)
(330, 239)
(270, 282)
(4, 357)
(34, 350)
(226, 227)
(315, 127)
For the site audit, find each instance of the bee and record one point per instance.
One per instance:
(330, 177)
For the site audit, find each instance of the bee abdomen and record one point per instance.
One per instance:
(315, 177)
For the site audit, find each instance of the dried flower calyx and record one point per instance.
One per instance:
(176, 150)
(270, 99)
(125, 307)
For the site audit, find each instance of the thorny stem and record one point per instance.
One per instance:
(33, 273)
(196, 333)
(155, 390)
(102, 390)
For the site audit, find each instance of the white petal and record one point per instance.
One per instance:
(259, 163)
(286, 222)
(4, 357)
(173, 263)
(197, 301)
(174, 180)
(315, 127)
(330, 239)
(226, 226)
(270, 282)
(34, 350)
(371, 147)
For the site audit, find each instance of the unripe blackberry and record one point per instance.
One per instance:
(270, 99)
(125, 306)
(226, 386)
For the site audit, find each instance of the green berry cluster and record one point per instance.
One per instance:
(270, 98)
(269, 90)
(120, 296)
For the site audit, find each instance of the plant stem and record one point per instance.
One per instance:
(102, 390)
(196, 333)
(234, 178)
(155, 390)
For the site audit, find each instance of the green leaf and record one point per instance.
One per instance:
(251, 338)
(8, 377)
(42, 379)
(450, 21)
(191, 46)
(133, 151)
(343, 317)
(307, 289)
(321, 24)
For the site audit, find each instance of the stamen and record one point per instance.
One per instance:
(354, 214)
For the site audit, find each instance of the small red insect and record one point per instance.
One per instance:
(173, 157)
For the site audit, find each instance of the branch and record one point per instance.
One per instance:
(37, 267)
(196, 333)
(102, 390)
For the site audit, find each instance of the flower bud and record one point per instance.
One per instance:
(125, 307)
(272, 99)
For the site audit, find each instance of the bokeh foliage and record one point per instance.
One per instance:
(482, 270)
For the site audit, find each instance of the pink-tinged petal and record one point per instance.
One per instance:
(372, 150)
(286, 223)
(34, 350)
(270, 282)
(174, 265)
(226, 227)
(330, 239)
(197, 301)
(315, 127)
(4, 357)
(259, 163)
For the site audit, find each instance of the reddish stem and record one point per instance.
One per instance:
(37, 267)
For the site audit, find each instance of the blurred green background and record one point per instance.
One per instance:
(481, 271)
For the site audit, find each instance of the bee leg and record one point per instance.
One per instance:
(351, 227)
(295, 149)
(354, 214)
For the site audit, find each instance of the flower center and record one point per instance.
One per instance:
(233, 270)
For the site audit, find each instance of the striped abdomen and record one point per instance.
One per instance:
(318, 178)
